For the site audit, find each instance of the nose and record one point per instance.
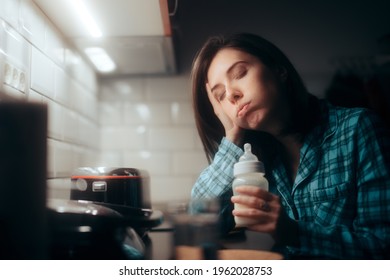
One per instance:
(233, 94)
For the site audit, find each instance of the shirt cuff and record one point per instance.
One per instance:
(229, 148)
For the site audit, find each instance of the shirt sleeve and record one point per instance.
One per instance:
(368, 235)
(217, 178)
(216, 182)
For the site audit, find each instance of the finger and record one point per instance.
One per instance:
(254, 191)
(212, 98)
(224, 119)
(264, 206)
(253, 202)
(261, 217)
(214, 101)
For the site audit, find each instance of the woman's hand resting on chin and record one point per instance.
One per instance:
(233, 132)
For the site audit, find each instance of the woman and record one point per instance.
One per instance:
(328, 167)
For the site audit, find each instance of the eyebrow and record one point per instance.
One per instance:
(229, 71)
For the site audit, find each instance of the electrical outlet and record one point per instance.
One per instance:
(22, 82)
(14, 77)
(7, 74)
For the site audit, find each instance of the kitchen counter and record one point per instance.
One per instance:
(238, 245)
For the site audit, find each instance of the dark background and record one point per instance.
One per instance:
(319, 37)
(310, 32)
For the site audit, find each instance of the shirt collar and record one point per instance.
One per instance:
(326, 125)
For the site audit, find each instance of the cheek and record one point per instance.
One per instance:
(266, 96)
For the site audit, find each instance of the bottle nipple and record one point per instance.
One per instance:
(248, 156)
(248, 162)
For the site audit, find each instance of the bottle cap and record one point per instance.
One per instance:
(248, 162)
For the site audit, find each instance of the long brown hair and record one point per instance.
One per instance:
(209, 127)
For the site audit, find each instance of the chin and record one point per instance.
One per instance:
(258, 126)
(252, 122)
(251, 126)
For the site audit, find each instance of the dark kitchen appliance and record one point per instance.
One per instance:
(125, 191)
(84, 230)
(116, 186)
(23, 139)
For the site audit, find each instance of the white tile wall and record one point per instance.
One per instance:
(170, 188)
(10, 11)
(32, 23)
(171, 138)
(146, 113)
(188, 162)
(14, 58)
(145, 123)
(155, 117)
(57, 76)
(157, 163)
(42, 73)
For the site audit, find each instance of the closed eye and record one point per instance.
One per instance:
(239, 73)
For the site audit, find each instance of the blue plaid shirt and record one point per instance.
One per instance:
(341, 194)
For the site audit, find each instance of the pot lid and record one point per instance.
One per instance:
(81, 207)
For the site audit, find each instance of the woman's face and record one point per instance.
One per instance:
(247, 90)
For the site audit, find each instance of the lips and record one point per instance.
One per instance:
(242, 110)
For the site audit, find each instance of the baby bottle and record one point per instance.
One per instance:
(248, 171)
